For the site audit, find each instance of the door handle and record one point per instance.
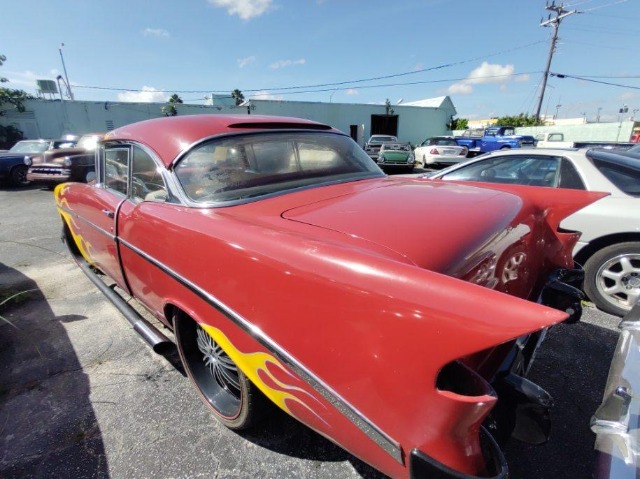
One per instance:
(109, 213)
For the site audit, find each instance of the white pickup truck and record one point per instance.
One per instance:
(556, 140)
(553, 140)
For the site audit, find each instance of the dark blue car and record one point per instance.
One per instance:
(12, 163)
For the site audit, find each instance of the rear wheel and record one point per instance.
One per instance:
(612, 277)
(19, 175)
(505, 147)
(231, 396)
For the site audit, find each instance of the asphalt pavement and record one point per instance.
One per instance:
(81, 395)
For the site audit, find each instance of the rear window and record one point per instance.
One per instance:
(622, 172)
(248, 166)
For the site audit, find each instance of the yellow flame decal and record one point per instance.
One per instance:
(83, 246)
(252, 364)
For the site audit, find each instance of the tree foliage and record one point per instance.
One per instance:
(237, 96)
(9, 135)
(458, 124)
(169, 109)
(10, 96)
(523, 119)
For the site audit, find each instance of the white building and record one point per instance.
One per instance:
(412, 122)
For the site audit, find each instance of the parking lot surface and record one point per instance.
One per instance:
(81, 395)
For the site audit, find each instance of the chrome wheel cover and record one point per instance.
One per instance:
(221, 367)
(618, 280)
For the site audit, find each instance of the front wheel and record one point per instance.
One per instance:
(505, 147)
(612, 277)
(19, 175)
(231, 396)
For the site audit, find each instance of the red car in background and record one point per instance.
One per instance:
(290, 269)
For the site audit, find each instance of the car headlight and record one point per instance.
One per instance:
(27, 160)
(67, 162)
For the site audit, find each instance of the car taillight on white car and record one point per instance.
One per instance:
(434, 151)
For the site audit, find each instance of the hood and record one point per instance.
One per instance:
(62, 152)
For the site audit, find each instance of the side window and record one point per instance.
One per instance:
(116, 169)
(147, 183)
(569, 177)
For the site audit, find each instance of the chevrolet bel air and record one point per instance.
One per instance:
(291, 272)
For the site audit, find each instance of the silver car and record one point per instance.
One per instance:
(609, 247)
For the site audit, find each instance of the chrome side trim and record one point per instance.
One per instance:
(391, 446)
(88, 223)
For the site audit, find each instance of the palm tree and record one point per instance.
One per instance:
(170, 108)
(237, 96)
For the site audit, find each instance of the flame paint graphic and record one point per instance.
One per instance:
(254, 365)
(63, 207)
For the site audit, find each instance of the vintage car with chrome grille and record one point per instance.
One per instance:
(13, 163)
(289, 268)
(73, 164)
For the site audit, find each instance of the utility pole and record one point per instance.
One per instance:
(555, 23)
(64, 68)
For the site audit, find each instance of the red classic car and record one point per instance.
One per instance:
(289, 267)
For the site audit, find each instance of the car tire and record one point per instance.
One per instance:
(230, 395)
(19, 175)
(612, 277)
(506, 147)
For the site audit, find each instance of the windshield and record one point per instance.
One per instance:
(247, 166)
(443, 142)
(30, 147)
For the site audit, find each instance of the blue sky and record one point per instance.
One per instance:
(487, 55)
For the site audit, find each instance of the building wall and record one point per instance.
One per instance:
(617, 131)
(52, 119)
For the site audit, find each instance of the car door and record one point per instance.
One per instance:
(99, 210)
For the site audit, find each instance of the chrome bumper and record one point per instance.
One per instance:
(616, 423)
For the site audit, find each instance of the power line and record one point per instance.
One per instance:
(341, 83)
(564, 75)
(361, 87)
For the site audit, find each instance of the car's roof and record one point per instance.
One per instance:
(170, 136)
(594, 179)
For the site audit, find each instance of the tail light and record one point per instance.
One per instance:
(434, 151)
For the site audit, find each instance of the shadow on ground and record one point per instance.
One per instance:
(48, 428)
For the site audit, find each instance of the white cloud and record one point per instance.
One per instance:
(265, 95)
(243, 62)
(155, 32)
(147, 95)
(351, 91)
(486, 73)
(245, 9)
(460, 89)
(287, 63)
